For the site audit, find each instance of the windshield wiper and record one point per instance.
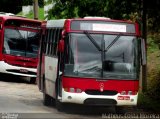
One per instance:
(92, 40)
(102, 48)
(97, 46)
(113, 42)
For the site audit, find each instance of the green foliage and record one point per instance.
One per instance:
(152, 44)
(30, 2)
(31, 15)
(148, 103)
(15, 6)
(153, 71)
(150, 100)
(153, 9)
(107, 8)
(48, 2)
(154, 82)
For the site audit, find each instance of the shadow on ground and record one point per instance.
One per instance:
(12, 78)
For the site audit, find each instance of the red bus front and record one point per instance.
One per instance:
(19, 45)
(101, 62)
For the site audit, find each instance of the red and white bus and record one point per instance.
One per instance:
(93, 61)
(19, 45)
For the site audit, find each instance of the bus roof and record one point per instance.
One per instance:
(60, 22)
(55, 23)
(14, 17)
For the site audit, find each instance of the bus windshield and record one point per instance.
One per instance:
(20, 42)
(108, 59)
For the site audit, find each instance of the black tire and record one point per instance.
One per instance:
(119, 110)
(47, 100)
(32, 80)
(59, 105)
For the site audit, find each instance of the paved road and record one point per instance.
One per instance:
(18, 96)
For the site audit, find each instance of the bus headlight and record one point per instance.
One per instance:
(130, 93)
(123, 93)
(78, 90)
(72, 90)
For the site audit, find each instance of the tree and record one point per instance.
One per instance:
(15, 6)
(153, 10)
(108, 8)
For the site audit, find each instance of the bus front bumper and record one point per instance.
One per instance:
(101, 100)
(16, 70)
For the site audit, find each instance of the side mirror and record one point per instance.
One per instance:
(61, 46)
(143, 52)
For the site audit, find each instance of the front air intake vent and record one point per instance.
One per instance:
(98, 92)
(100, 102)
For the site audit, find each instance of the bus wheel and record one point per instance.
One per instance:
(59, 105)
(32, 80)
(47, 99)
(119, 110)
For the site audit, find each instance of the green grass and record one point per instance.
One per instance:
(31, 15)
(150, 100)
(147, 103)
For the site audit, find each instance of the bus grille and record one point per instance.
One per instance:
(100, 102)
(97, 92)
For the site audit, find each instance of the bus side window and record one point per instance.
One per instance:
(45, 42)
(48, 40)
(56, 42)
(57, 37)
(53, 42)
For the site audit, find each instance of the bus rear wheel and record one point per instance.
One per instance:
(32, 80)
(47, 100)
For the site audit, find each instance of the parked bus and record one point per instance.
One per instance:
(19, 44)
(90, 61)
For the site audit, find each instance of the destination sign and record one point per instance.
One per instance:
(104, 26)
(23, 23)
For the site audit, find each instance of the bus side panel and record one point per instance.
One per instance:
(41, 72)
(1, 41)
(51, 64)
(40, 67)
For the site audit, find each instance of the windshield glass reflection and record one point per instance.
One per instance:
(85, 59)
(21, 42)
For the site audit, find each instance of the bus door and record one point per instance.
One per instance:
(51, 60)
